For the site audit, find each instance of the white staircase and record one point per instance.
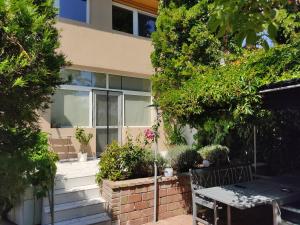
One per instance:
(77, 199)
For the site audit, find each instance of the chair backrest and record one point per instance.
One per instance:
(211, 177)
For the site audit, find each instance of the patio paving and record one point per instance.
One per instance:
(176, 220)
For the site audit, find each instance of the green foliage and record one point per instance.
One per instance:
(30, 64)
(173, 131)
(206, 80)
(183, 157)
(128, 161)
(44, 168)
(182, 45)
(29, 164)
(252, 20)
(83, 138)
(215, 154)
(29, 74)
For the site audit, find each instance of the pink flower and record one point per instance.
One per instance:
(149, 134)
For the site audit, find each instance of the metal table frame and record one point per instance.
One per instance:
(251, 194)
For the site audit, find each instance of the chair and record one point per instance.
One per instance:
(290, 214)
(211, 177)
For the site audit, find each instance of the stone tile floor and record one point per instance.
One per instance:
(257, 216)
(176, 220)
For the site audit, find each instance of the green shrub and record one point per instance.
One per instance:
(215, 154)
(83, 138)
(183, 157)
(128, 161)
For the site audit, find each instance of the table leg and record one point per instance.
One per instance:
(228, 215)
(215, 213)
(276, 214)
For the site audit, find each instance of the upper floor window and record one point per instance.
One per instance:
(122, 19)
(146, 25)
(132, 21)
(72, 9)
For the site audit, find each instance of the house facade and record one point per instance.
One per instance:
(108, 86)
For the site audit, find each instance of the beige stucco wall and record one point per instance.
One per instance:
(101, 14)
(105, 51)
(45, 125)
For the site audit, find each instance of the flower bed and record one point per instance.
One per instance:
(131, 202)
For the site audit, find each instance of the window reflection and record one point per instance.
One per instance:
(146, 25)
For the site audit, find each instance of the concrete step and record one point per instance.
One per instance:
(62, 182)
(97, 219)
(65, 155)
(72, 210)
(74, 194)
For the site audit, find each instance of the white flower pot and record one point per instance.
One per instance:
(206, 163)
(168, 172)
(82, 157)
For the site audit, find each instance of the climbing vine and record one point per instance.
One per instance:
(207, 78)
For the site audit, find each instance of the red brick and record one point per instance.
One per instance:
(124, 200)
(174, 206)
(174, 198)
(173, 191)
(148, 212)
(127, 191)
(150, 203)
(127, 208)
(151, 188)
(150, 218)
(148, 195)
(134, 215)
(139, 221)
(134, 198)
(162, 200)
(164, 215)
(115, 200)
(141, 205)
(162, 208)
(141, 189)
(124, 217)
(162, 192)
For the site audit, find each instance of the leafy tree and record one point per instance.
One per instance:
(29, 74)
(205, 79)
(254, 20)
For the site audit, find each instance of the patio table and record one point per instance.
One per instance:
(275, 191)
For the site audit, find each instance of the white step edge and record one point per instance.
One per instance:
(76, 189)
(76, 181)
(93, 219)
(73, 205)
(74, 194)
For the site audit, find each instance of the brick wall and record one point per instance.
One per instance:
(131, 202)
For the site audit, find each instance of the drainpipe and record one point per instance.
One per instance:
(155, 163)
(254, 147)
(155, 171)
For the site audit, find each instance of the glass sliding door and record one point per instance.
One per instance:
(107, 118)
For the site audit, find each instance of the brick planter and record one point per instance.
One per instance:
(131, 202)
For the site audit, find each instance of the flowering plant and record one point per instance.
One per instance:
(149, 136)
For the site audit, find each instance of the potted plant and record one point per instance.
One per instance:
(84, 140)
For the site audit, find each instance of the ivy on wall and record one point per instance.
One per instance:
(207, 79)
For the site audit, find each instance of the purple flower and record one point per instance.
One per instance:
(149, 134)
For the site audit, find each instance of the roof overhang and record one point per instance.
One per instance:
(150, 6)
(282, 95)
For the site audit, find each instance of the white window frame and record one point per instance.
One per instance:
(82, 89)
(124, 92)
(135, 17)
(151, 111)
